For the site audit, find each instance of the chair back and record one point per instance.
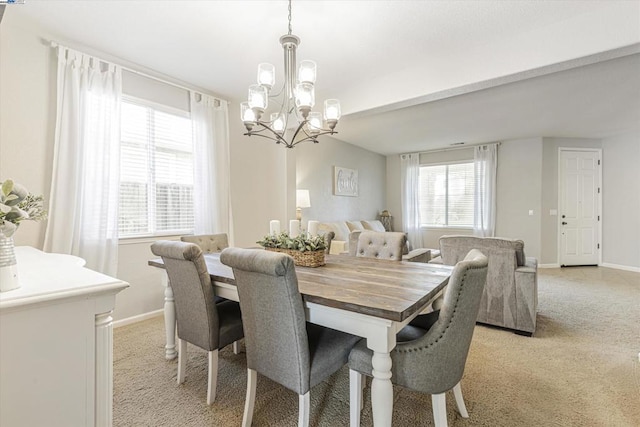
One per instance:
(209, 243)
(273, 315)
(434, 363)
(196, 312)
(381, 245)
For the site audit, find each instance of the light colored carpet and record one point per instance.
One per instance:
(581, 368)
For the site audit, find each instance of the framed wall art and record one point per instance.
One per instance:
(345, 182)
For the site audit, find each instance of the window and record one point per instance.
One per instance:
(156, 170)
(446, 195)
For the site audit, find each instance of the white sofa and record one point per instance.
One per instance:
(346, 235)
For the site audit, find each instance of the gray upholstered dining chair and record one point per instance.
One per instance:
(432, 350)
(209, 243)
(381, 245)
(280, 344)
(201, 322)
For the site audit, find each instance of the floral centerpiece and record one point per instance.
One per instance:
(16, 205)
(307, 251)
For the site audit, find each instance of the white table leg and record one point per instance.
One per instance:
(169, 320)
(381, 389)
(104, 370)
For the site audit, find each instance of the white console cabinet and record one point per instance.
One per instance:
(56, 343)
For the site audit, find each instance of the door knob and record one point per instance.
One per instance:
(564, 223)
(562, 216)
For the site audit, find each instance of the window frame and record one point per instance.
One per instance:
(151, 198)
(447, 226)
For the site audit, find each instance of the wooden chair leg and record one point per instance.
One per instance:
(304, 404)
(213, 376)
(439, 404)
(457, 392)
(355, 397)
(182, 360)
(250, 400)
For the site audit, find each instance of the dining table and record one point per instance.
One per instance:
(371, 298)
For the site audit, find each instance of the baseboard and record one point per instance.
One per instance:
(548, 265)
(620, 267)
(138, 318)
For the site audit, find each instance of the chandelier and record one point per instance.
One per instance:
(294, 101)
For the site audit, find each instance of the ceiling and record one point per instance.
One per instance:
(411, 75)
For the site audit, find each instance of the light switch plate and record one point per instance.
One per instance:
(530, 212)
(553, 212)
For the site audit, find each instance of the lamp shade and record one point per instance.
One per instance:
(332, 109)
(258, 97)
(314, 124)
(302, 199)
(266, 75)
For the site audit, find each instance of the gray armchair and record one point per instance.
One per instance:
(201, 321)
(432, 350)
(280, 344)
(510, 299)
(209, 243)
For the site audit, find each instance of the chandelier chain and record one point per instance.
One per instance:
(289, 17)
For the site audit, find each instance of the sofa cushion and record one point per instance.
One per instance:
(373, 225)
(355, 225)
(339, 228)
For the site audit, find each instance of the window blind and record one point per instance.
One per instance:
(446, 195)
(156, 171)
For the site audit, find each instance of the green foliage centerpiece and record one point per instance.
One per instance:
(307, 251)
(16, 205)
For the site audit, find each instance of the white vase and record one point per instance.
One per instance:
(8, 265)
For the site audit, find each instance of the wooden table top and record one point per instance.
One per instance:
(391, 290)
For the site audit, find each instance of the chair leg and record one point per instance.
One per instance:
(182, 359)
(439, 404)
(236, 348)
(355, 397)
(457, 392)
(213, 376)
(250, 400)
(304, 404)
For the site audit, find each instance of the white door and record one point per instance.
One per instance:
(579, 207)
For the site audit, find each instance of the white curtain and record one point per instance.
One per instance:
(486, 165)
(410, 170)
(83, 212)
(212, 195)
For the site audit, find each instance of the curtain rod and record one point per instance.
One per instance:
(461, 147)
(55, 44)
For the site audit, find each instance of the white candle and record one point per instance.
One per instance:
(294, 228)
(313, 228)
(274, 226)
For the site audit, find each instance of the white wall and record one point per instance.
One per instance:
(27, 87)
(621, 201)
(519, 191)
(27, 121)
(314, 171)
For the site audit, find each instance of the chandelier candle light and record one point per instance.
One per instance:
(296, 99)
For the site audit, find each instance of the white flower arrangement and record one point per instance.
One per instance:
(17, 205)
